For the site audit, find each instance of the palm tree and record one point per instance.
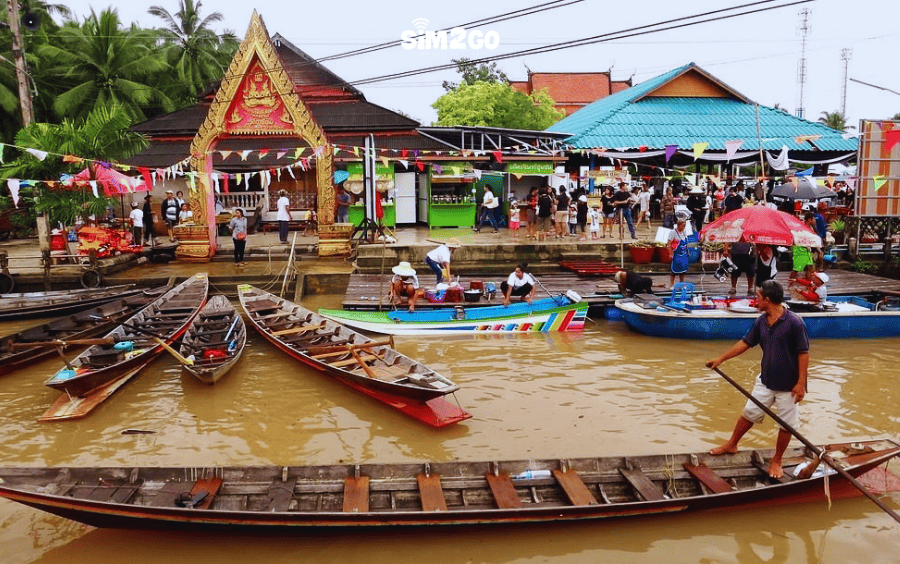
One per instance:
(197, 54)
(835, 120)
(896, 116)
(105, 65)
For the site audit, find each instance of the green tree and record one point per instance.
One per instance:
(101, 65)
(896, 116)
(104, 135)
(472, 73)
(193, 49)
(835, 120)
(496, 104)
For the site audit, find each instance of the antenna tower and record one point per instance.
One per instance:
(803, 30)
(845, 56)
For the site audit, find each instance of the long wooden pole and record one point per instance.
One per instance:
(12, 8)
(818, 452)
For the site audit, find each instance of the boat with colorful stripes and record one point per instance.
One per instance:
(546, 315)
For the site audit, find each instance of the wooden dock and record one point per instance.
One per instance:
(364, 290)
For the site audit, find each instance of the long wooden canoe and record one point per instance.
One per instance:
(214, 341)
(369, 366)
(428, 494)
(58, 302)
(17, 350)
(167, 317)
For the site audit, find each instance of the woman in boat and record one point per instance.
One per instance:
(678, 243)
(404, 283)
(812, 285)
(438, 259)
(519, 284)
(238, 228)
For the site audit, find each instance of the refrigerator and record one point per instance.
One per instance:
(405, 197)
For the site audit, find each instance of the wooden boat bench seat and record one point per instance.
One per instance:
(706, 476)
(172, 494)
(642, 484)
(503, 490)
(260, 305)
(577, 492)
(118, 491)
(356, 494)
(431, 492)
(280, 495)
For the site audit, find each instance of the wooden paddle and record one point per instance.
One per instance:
(816, 450)
(62, 343)
(174, 353)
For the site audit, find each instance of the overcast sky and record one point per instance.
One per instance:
(757, 54)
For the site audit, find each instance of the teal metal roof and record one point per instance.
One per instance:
(634, 118)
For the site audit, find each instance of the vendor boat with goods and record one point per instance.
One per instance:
(260, 498)
(553, 314)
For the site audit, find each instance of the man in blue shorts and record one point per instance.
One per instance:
(781, 335)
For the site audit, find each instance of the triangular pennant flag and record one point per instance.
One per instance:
(670, 151)
(215, 179)
(192, 179)
(518, 176)
(731, 148)
(290, 170)
(13, 185)
(297, 152)
(356, 151)
(405, 163)
(225, 183)
(477, 172)
(225, 154)
(699, 148)
(890, 139)
(403, 153)
(72, 159)
(384, 161)
(93, 184)
(642, 148)
(262, 153)
(244, 154)
(278, 174)
(438, 169)
(237, 178)
(420, 166)
(498, 155)
(807, 172)
(880, 181)
(38, 154)
(280, 154)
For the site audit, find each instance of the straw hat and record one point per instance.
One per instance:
(620, 275)
(404, 269)
(169, 192)
(696, 190)
(453, 243)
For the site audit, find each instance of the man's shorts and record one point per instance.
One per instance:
(543, 223)
(783, 403)
(746, 264)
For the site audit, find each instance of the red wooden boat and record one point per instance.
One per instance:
(371, 367)
(590, 268)
(428, 494)
(167, 317)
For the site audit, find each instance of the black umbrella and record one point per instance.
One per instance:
(805, 189)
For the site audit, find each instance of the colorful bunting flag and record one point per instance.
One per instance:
(880, 181)
(731, 148)
(890, 139)
(699, 148)
(13, 185)
(670, 152)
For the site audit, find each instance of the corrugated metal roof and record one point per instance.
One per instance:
(632, 119)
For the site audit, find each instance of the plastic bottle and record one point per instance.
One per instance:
(531, 474)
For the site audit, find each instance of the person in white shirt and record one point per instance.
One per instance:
(488, 205)
(438, 259)
(644, 200)
(520, 284)
(137, 223)
(404, 283)
(185, 215)
(283, 216)
(594, 220)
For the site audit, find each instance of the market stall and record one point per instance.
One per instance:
(452, 195)
(384, 185)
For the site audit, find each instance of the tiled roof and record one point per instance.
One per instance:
(635, 118)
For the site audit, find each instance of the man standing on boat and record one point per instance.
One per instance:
(781, 335)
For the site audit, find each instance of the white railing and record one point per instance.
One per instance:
(245, 200)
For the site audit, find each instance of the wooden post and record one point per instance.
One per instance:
(12, 8)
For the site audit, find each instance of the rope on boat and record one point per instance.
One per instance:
(669, 473)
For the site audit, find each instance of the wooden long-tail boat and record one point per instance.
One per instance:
(101, 369)
(19, 349)
(214, 341)
(369, 366)
(58, 302)
(438, 493)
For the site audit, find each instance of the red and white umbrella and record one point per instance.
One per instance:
(760, 224)
(113, 181)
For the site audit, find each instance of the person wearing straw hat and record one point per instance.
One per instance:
(438, 259)
(404, 283)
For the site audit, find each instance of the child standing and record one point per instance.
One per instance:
(573, 218)
(594, 218)
(514, 219)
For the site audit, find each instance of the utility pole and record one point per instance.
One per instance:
(803, 30)
(12, 7)
(845, 56)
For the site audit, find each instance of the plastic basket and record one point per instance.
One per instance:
(435, 297)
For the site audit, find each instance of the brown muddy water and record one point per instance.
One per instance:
(606, 391)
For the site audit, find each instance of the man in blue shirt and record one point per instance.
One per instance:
(781, 335)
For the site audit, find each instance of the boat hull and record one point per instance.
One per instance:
(203, 334)
(411, 495)
(544, 316)
(43, 304)
(723, 324)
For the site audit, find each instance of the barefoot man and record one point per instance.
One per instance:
(781, 335)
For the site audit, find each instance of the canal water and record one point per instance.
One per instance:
(606, 391)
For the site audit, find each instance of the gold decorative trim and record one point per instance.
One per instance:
(257, 46)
